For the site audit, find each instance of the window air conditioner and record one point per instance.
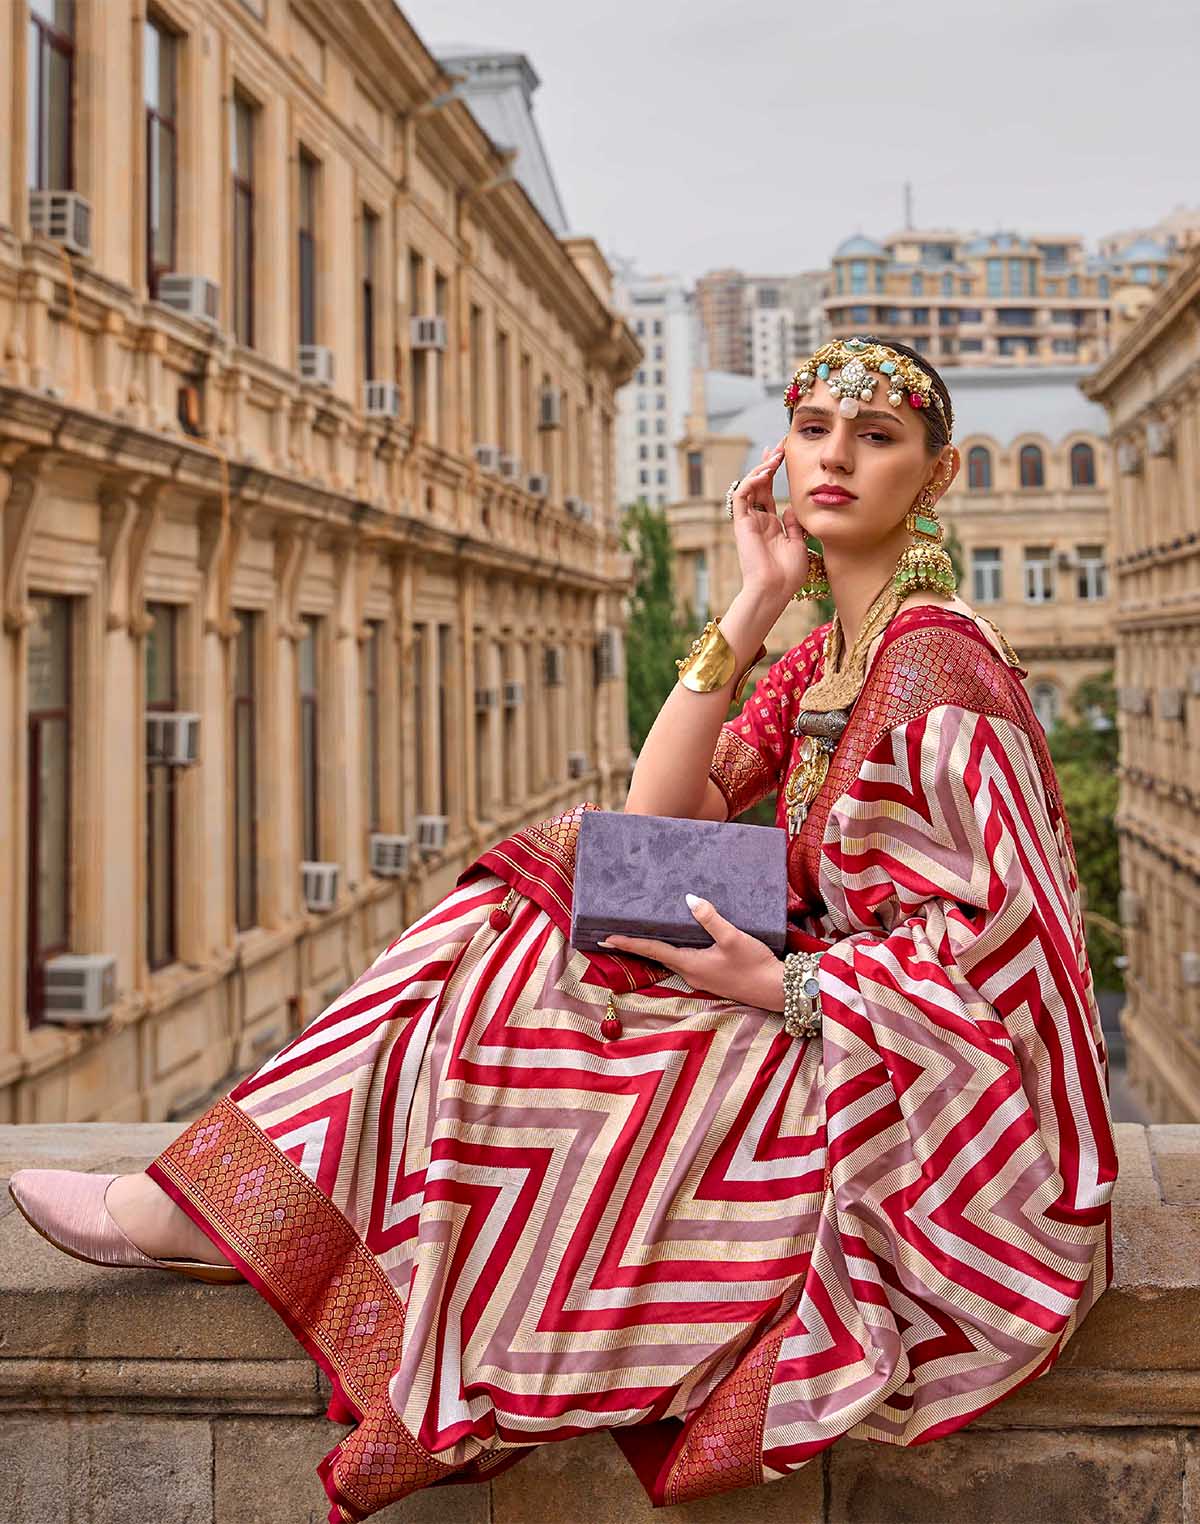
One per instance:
(1129, 458)
(1068, 561)
(381, 399)
(514, 694)
(487, 457)
(427, 332)
(509, 467)
(65, 216)
(1170, 703)
(586, 513)
(319, 881)
(574, 506)
(1129, 907)
(577, 764)
(431, 832)
(79, 987)
(1159, 440)
(1189, 967)
(194, 295)
(389, 854)
(316, 364)
(538, 484)
(486, 698)
(550, 408)
(173, 739)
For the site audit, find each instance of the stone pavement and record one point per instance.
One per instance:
(130, 1397)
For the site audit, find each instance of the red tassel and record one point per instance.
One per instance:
(611, 1027)
(498, 919)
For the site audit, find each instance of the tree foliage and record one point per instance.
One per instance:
(655, 634)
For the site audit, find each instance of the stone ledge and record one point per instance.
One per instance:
(136, 1394)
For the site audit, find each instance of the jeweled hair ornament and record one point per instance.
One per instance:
(852, 368)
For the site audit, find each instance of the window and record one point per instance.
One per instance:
(660, 452)
(307, 267)
(159, 89)
(1073, 285)
(502, 390)
(657, 327)
(643, 452)
(641, 378)
(643, 478)
(858, 275)
(860, 314)
(1083, 465)
(660, 425)
(371, 730)
(658, 352)
(970, 315)
(919, 315)
(640, 327)
(1015, 317)
(947, 285)
(370, 261)
(50, 93)
(917, 283)
(641, 425)
(245, 773)
(1064, 346)
(695, 473)
(1033, 471)
(947, 317)
(308, 659)
(658, 378)
(970, 346)
(162, 697)
(1044, 697)
(242, 168)
(985, 574)
(660, 477)
(1092, 580)
(477, 373)
(48, 910)
(418, 719)
(979, 468)
(995, 277)
(1039, 584)
(660, 402)
(1103, 287)
(445, 655)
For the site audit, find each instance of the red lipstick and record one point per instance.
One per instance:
(827, 493)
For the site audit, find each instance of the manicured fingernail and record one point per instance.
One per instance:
(693, 900)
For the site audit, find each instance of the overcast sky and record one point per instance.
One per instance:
(758, 135)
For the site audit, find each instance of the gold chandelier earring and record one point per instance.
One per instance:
(924, 563)
(816, 584)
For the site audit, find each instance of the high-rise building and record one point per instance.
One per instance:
(652, 408)
(760, 325)
(1150, 386)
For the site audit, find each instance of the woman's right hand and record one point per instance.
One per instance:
(771, 547)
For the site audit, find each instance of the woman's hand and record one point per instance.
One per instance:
(737, 965)
(771, 547)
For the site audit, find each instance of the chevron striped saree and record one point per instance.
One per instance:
(494, 1227)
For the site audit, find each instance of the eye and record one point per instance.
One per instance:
(806, 428)
(878, 434)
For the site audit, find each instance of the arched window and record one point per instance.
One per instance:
(979, 468)
(1033, 469)
(1044, 697)
(1083, 465)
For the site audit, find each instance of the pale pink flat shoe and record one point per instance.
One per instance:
(66, 1207)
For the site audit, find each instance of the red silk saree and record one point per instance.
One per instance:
(494, 1227)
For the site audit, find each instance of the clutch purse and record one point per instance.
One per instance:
(633, 871)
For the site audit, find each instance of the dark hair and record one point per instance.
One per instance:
(937, 427)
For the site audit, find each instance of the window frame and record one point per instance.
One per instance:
(157, 125)
(1082, 450)
(308, 219)
(979, 455)
(245, 710)
(1028, 453)
(164, 791)
(52, 39)
(36, 953)
(242, 312)
(309, 735)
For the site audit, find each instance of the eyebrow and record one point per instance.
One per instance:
(809, 411)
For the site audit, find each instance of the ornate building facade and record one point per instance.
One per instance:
(311, 577)
(1151, 389)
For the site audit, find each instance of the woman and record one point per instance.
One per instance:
(506, 1192)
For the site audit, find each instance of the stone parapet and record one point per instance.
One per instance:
(129, 1395)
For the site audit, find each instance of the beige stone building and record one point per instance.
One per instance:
(311, 577)
(1151, 389)
(1030, 509)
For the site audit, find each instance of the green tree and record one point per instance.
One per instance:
(656, 634)
(1084, 751)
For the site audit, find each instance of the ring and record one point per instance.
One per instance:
(733, 486)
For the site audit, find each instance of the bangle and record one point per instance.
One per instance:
(801, 994)
(711, 661)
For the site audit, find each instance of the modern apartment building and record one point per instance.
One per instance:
(652, 408)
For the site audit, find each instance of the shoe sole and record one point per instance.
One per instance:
(197, 1270)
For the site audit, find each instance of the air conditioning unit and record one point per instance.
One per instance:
(427, 332)
(316, 364)
(1159, 439)
(509, 467)
(514, 694)
(538, 484)
(1170, 703)
(173, 739)
(1068, 561)
(554, 667)
(389, 854)
(1129, 908)
(381, 399)
(431, 832)
(586, 513)
(1129, 458)
(319, 884)
(574, 506)
(79, 987)
(577, 764)
(65, 216)
(486, 698)
(194, 295)
(487, 457)
(606, 656)
(550, 408)
(1189, 967)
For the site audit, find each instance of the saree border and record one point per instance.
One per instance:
(304, 1258)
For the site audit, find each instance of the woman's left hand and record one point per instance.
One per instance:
(737, 965)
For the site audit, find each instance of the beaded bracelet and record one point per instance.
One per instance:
(801, 994)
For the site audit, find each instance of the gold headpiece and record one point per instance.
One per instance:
(847, 366)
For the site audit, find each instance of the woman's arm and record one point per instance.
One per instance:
(671, 776)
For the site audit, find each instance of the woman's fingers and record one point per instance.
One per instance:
(754, 490)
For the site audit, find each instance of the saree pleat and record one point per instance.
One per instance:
(494, 1227)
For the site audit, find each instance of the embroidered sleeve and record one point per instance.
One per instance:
(752, 749)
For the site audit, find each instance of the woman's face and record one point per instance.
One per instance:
(877, 462)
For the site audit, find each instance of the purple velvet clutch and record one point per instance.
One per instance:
(632, 872)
